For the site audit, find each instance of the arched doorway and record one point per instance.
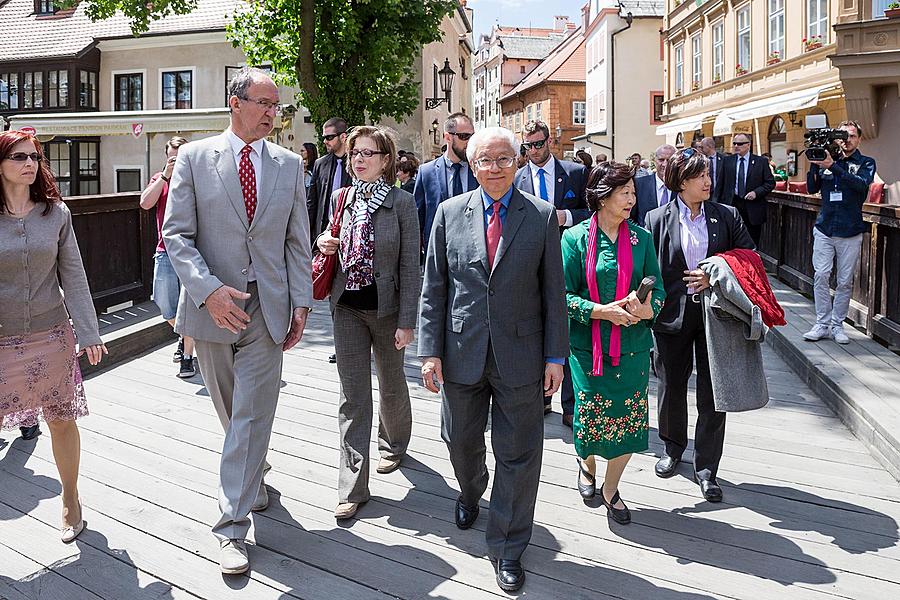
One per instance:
(778, 146)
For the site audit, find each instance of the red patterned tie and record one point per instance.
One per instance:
(494, 229)
(248, 182)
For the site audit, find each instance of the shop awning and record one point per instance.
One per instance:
(767, 107)
(684, 123)
(125, 122)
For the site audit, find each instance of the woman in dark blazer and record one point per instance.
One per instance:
(685, 231)
(374, 301)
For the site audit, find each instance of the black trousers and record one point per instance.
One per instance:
(755, 231)
(674, 363)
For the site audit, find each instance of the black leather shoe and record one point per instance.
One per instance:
(587, 490)
(465, 515)
(665, 466)
(510, 575)
(29, 433)
(619, 515)
(710, 489)
(548, 409)
(567, 420)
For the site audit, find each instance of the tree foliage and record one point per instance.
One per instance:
(349, 58)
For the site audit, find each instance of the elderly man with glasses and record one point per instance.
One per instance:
(493, 334)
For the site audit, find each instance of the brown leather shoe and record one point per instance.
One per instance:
(567, 420)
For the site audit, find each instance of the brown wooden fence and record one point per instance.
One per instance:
(117, 240)
(787, 243)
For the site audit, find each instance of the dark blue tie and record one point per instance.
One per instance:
(456, 180)
(741, 183)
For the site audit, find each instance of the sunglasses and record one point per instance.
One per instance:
(739, 143)
(537, 145)
(688, 152)
(365, 153)
(331, 136)
(24, 156)
(462, 136)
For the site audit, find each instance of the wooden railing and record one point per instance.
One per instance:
(787, 243)
(117, 240)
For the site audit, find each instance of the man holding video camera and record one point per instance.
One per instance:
(843, 179)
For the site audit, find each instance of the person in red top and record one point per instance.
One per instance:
(166, 286)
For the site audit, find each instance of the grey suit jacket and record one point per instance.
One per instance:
(519, 307)
(210, 243)
(397, 243)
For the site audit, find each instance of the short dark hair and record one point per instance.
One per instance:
(605, 178)
(851, 123)
(586, 159)
(410, 166)
(336, 122)
(176, 141)
(453, 120)
(384, 141)
(685, 164)
(44, 187)
(532, 127)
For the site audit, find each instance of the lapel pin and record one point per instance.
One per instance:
(713, 220)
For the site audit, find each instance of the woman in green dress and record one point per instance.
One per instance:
(609, 331)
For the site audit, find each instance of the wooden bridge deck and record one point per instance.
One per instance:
(808, 513)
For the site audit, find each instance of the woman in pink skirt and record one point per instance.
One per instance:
(42, 286)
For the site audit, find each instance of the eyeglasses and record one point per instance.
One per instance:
(365, 153)
(462, 136)
(331, 136)
(536, 144)
(739, 143)
(24, 156)
(265, 104)
(504, 162)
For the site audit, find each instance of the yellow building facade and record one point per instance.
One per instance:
(751, 66)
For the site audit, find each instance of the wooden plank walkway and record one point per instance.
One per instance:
(808, 513)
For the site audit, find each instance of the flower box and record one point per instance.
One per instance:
(716, 80)
(892, 13)
(695, 86)
(739, 70)
(812, 43)
(773, 58)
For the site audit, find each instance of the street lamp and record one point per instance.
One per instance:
(558, 134)
(445, 76)
(792, 115)
(435, 126)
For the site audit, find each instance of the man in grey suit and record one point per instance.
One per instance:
(492, 330)
(237, 233)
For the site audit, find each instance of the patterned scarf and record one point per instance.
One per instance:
(358, 240)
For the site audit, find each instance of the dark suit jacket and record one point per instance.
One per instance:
(409, 186)
(431, 190)
(645, 191)
(396, 263)
(568, 192)
(518, 308)
(716, 194)
(759, 179)
(319, 193)
(726, 231)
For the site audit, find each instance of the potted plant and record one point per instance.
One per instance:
(739, 70)
(812, 42)
(717, 79)
(677, 93)
(695, 86)
(774, 57)
(892, 11)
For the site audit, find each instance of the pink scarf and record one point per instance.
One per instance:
(623, 282)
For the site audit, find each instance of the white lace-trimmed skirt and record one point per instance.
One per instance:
(40, 378)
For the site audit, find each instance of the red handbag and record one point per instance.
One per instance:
(323, 267)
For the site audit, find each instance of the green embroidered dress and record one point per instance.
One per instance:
(611, 412)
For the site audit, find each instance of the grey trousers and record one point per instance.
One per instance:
(357, 335)
(243, 380)
(825, 251)
(517, 440)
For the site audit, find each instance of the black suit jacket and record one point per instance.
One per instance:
(645, 191)
(726, 231)
(759, 180)
(319, 193)
(568, 192)
(716, 192)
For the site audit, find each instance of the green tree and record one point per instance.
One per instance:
(348, 58)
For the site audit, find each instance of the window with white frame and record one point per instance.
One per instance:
(817, 20)
(718, 62)
(538, 109)
(579, 112)
(776, 30)
(743, 38)
(696, 61)
(679, 69)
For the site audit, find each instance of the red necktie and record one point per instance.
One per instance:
(248, 182)
(494, 229)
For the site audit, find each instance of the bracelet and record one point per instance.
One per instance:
(164, 178)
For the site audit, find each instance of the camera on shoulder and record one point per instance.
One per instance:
(820, 140)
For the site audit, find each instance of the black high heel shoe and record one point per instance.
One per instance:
(587, 491)
(619, 515)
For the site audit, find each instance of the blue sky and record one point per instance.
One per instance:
(522, 13)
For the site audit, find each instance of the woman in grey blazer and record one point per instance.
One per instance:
(374, 300)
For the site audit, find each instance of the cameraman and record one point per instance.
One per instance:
(844, 184)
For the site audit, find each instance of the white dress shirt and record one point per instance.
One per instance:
(550, 181)
(660, 190)
(256, 148)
